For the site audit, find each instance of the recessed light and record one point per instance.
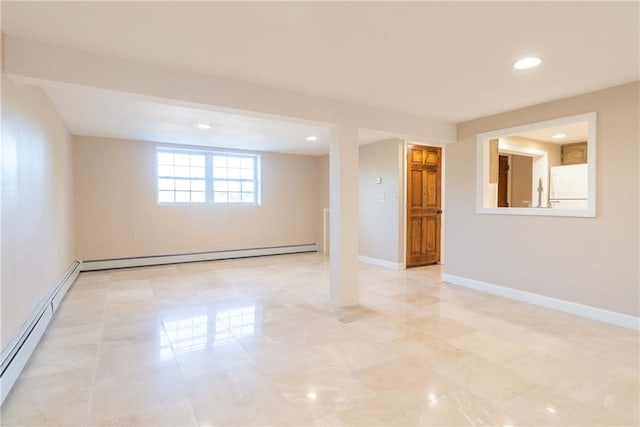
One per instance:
(204, 126)
(526, 63)
(312, 395)
(559, 135)
(312, 138)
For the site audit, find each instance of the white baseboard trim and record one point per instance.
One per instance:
(381, 262)
(145, 261)
(594, 313)
(17, 353)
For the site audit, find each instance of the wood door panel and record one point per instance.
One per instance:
(416, 236)
(423, 207)
(432, 197)
(425, 234)
(429, 229)
(416, 190)
(432, 158)
(415, 156)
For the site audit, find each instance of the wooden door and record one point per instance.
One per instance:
(423, 205)
(503, 182)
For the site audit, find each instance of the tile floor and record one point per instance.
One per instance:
(254, 342)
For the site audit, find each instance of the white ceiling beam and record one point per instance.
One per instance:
(35, 62)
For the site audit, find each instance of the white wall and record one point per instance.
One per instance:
(117, 214)
(381, 225)
(592, 261)
(37, 215)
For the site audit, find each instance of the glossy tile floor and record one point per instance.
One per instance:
(254, 342)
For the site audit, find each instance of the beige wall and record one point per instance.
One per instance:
(323, 200)
(521, 173)
(592, 261)
(117, 215)
(37, 238)
(380, 210)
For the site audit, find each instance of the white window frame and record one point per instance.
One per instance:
(255, 180)
(175, 177)
(209, 176)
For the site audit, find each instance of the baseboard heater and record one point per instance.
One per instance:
(16, 355)
(145, 261)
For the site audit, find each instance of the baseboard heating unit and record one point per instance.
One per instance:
(17, 353)
(144, 261)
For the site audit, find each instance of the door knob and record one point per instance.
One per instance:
(439, 211)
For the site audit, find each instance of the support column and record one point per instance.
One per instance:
(343, 202)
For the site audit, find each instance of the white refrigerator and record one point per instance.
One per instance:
(569, 186)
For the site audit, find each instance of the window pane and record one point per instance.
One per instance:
(233, 173)
(235, 198)
(248, 198)
(197, 185)
(164, 170)
(219, 162)
(233, 162)
(197, 160)
(183, 196)
(181, 159)
(197, 172)
(220, 197)
(234, 186)
(219, 172)
(198, 197)
(165, 158)
(182, 171)
(183, 184)
(165, 196)
(247, 187)
(247, 163)
(165, 184)
(247, 174)
(220, 186)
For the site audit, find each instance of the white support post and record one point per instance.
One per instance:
(343, 189)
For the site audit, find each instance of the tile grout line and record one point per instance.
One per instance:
(177, 365)
(98, 357)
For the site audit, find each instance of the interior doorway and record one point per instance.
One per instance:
(503, 181)
(424, 205)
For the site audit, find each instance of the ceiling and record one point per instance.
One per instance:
(575, 132)
(88, 111)
(449, 61)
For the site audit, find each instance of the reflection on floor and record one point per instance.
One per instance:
(254, 342)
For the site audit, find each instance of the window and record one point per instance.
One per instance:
(181, 178)
(234, 179)
(207, 178)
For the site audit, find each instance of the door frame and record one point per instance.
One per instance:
(443, 216)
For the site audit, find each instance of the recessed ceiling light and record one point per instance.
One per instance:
(312, 138)
(526, 63)
(559, 135)
(204, 126)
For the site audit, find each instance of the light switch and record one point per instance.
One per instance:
(378, 180)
